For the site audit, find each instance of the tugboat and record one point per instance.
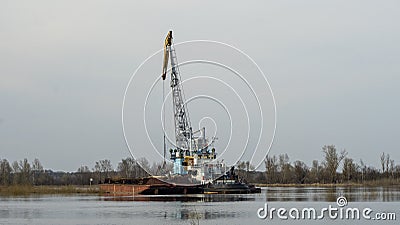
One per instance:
(229, 183)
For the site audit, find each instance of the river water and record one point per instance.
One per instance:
(206, 209)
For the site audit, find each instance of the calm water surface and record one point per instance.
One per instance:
(194, 209)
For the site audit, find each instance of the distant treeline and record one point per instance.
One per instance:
(336, 167)
(25, 173)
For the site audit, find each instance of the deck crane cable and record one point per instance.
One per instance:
(164, 144)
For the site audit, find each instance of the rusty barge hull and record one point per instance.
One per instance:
(123, 189)
(137, 189)
(154, 186)
(147, 186)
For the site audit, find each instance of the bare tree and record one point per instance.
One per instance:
(240, 168)
(143, 168)
(106, 167)
(285, 169)
(5, 172)
(349, 169)
(392, 166)
(383, 159)
(387, 163)
(83, 175)
(126, 167)
(271, 169)
(332, 161)
(16, 170)
(37, 165)
(363, 170)
(97, 170)
(23, 171)
(300, 171)
(156, 168)
(37, 170)
(316, 170)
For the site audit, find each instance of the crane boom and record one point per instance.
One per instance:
(191, 156)
(183, 131)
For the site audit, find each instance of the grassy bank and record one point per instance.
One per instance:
(15, 190)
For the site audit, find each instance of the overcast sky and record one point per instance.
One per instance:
(64, 66)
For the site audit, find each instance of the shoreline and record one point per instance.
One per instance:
(24, 190)
(369, 184)
(21, 190)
